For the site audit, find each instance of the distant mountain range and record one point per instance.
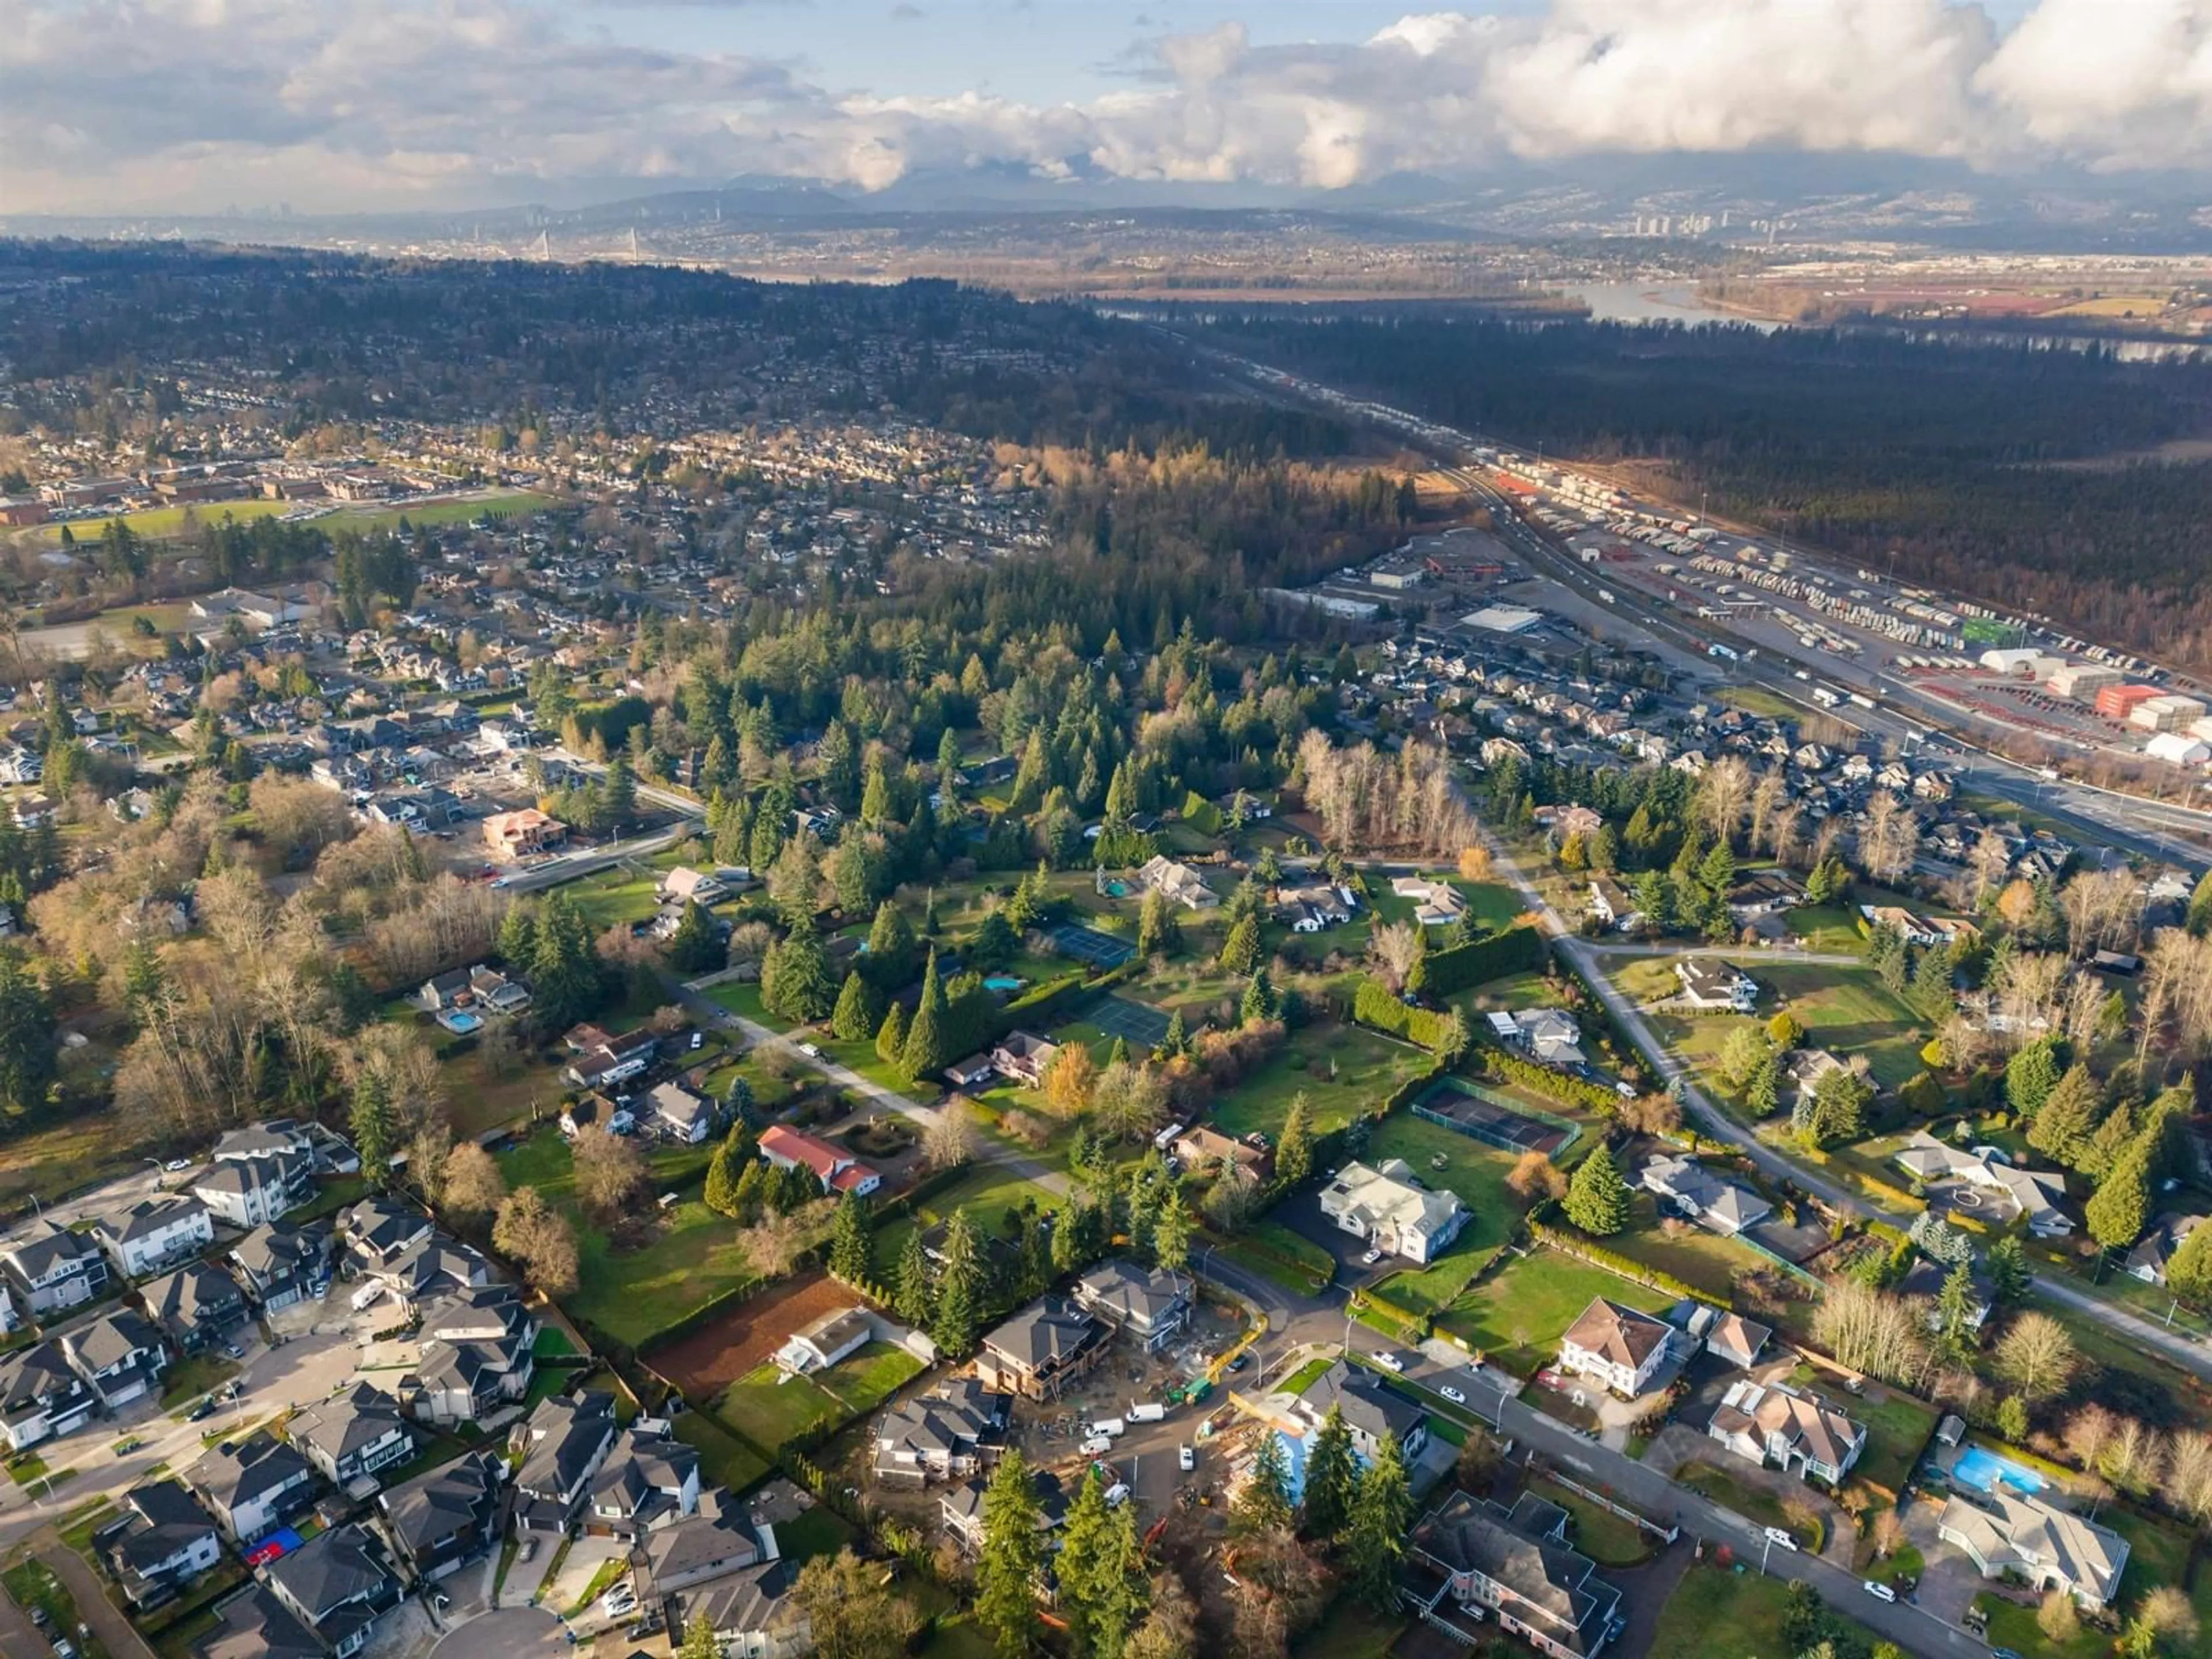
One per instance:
(1718, 200)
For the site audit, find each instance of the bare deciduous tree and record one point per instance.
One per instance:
(2036, 1357)
(473, 1185)
(609, 1171)
(950, 1140)
(531, 1231)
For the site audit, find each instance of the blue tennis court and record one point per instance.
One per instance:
(1088, 944)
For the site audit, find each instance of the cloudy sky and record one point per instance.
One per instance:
(135, 106)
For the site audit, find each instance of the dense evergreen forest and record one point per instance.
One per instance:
(1950, 456)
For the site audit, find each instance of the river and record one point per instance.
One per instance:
(1655, 302)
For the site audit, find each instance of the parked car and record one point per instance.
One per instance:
(1452, 1394)
(1186, 1459)
(1370, 1258)
(233, 1350)
(1390, 1362)
(178, 1165)
(1095, 1445)
(529, 1548)
(1880, 1592)
(1117, 1494)
(1781, 1536)
(1240, 1362)
(812, 1051)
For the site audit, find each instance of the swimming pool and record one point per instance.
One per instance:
(1117, 890)
(1983, 1470)
(1004, 983)
(461, 1021)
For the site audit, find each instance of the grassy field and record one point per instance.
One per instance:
(1477, 1173)
(1700, 1259)
(1757, 700)
(1896, 1431)
(1343, 1071)
(57, 1160)
(1846, 1010)
(1742, 1608)
(159, 522)
(1282, 1257)
(864, 1381)
(986, 1192)
(770, 1405)
(1598, 1532)
(1517, 1315)
(1721, 1484)
(724, 1459)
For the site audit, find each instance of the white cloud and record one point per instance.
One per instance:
(111, 104)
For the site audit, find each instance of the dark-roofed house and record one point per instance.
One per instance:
(42, 1396)
(438, 1522)
(750, 1612)
(274, 1137)
(1704, 1197)
(564, 1443)
(247, 1191)
(280, 1265)
(162, 1543)
(198, 1306)
(1148, 1304)
(1470, 1553)
(337, 1584)
(960, 1508)
(713, 1541)
(2157, 1247)
(476, 1355)
(953, 1430)
(648, 1480)
(351, 1438)
(1620, 1347)
(256, 1625)
(1044, 1350)
(120, 1354)
(380, 1230)
(254, 1485)
(52, 1267)
(436, 1267)
(1371, 1409)
(679, 1113)
(154, 1234)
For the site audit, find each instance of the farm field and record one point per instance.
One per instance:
(1517, 1315)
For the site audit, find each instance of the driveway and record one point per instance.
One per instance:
(508, 1633)
(93, 1606)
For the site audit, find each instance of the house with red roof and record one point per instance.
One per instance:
(838, 1171)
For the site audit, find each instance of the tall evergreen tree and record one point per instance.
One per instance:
(2120, 1209)
(27, 1046)
(1264, 1504)
(1100, 1572)
(1381, 1517)
(1240, 950)
(959, 1309)
(1012, 1552)
(2068, 1115)
(1597, 1199)
(889, 959)
(855, 1019)
(852, 1247)
(1172, 1231)
(375, 1126)
(2031, 1074)
(927, 1049)
(694, 946)
(912, 1295)
(795, 982)
(1294, 1149)
(890, 1036)
(1332, 1478)
(724, 1169)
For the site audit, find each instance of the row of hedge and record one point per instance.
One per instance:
(1568, 1090)
(1516, 950)
(1375, 1006)
(1573, 1241)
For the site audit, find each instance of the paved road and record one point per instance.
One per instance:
(93, 1606)
(17, 1633)
(1715, 1124)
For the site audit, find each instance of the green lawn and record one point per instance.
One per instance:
(1343, 1071)
(1477, 1173)
(741, 998)
(819, 1531)
(1896, 1429)
(1722, 1485)
(1831, 929)
(1517, 1315)
(863, 1381)
(1846, 1010)
(1598, 1532)
(986, 1191)
(770, 1405)
(188, 1379)
(861, 1057)
(1742, 1608)
(1699, 1258)
(724, 1459)
(1282, 1257)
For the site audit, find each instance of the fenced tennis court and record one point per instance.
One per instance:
(1142, 1026)
(1088, 944)
(1493, 1119)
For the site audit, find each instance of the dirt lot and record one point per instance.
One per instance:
(708, 1360)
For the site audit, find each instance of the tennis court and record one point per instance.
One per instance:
(1088, 944)
(1491, 1120)
(1142, 1026)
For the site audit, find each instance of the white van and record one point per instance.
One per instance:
(1097, 1446)
(1144, 1412)
(1782, 1537)
(1113, 1427)
(366, 1295)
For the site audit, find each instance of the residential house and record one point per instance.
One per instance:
(52, 1268)
(648, 1480)
(611, 1060)
(971, 1072)
(1764, 893)
(120, 1353)
(1548, 1035)
(960, 1509)
(1707, 983)
(255, 1486)
(1373, 1410)
(476, 1354)
(821, 1344)
(251, 1192)
(837, 1169)
(1178, 883)
(1312, 907)
(1737, 1339)
(1515, 1564)
(437, 1267)
(750, 1611)
(684, 886)
(2147, 1261)
(1772, 1422)
(279, 1265)
(1616, 1346)
(352, 1436)
(520, 833)
(1437, 903)
(480, 988)
(2004, 1531)
(1043, 1351)
(255, 1625)
(198, 1306)
(1388, 1206)
(337, 1586)
(564, 1443)
(1023, 1057)
(159, 1545)
(715, 1540)
(154, 1234)
(439, 1522)
(2033, 1195)
(679, 1113)
(276, 1137)
(1149, 1305)
(1703, 1197)
(42, 1397)
(947, 1434)
(1611, 904)
(1925, 1279)
(1200, 1147)
(380, 1230)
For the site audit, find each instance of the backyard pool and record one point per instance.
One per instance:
(460, 1021)
(1117, 890)
(1983, 1470)
(1004, 983)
